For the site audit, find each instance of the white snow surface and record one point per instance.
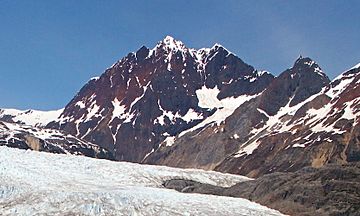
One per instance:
(191, 115)
(119, 109)
(208, 97)
(32, 117)
(38, 183)
(169, 141)
(225, 107)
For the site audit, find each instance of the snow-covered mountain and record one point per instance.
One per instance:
(299, 120)
(36, 183)
(155, 94)
(29, 117)
(48, 140)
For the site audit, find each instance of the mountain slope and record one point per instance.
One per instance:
(48, 140)
(155, 94)
(299, 120)
(41, 183)
(322, 129)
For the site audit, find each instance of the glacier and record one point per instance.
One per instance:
(39, 183)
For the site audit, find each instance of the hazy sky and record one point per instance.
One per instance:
(50, 48)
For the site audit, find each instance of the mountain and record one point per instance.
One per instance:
(29, 117)
(300, 120)
(153, 95)
(48, 140)
(38, 183)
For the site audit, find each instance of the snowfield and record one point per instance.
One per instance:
(38, 183)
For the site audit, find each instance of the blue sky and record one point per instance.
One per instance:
(49, 48)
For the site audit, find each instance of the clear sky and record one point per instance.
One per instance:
(50, 48)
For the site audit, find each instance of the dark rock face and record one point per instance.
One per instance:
(296, 84)
(330, 190)
(152, 94)
(48, 140)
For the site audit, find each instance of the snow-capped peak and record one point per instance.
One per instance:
(307, 62)
(299, 58)
(304, 60)
(170, 40)
(218, 46)
(172, 44)
(262, 72)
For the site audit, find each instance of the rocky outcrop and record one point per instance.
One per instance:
(330, 190)
(48, 140)
(33, 143)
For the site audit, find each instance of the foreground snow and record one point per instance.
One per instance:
(42, 183)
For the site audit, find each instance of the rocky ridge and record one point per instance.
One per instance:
(47, 140)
